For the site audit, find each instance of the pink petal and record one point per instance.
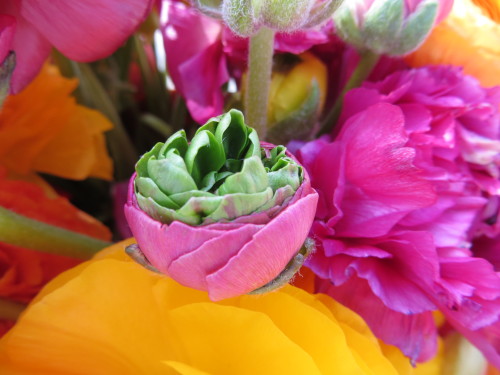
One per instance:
(31, 48)
(191, 268)
(383, 184)
(86, 30)
(266, 256)
(7, 28)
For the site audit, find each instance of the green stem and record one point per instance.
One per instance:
(21, 231)
(10, 310)
(259, 80)
(367, 62)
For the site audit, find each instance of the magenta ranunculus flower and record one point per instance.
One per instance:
(221, 213)
(413, 178)
(82, 30)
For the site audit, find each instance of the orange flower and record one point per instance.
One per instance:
(43, 129)
(469, 37)
(111, 316)
(22, 271)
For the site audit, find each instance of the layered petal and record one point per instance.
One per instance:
(43, 127)
(76, 322)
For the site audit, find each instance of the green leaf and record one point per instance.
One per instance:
(177, 141)
(170, 174)
(204, 154)
(288, 175)
(200, 207)
(232, 134)
(182, 198)
(142, 165)
(147, 187)
(252, 179)
(240, 204)
(253, 144)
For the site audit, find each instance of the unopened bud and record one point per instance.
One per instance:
(388, 27)
(245, 17)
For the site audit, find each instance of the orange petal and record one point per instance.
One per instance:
(111, 316)
(44, 129)
(467, 38)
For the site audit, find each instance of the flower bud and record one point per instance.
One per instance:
(297, 96)
(245, 17)
(391, 27)
(211, 213)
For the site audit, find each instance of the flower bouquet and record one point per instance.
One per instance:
(250, 186)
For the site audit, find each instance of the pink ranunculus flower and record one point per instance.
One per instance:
(235, 235)
(368, 240)
(82, 30)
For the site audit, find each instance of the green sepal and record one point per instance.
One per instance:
(383, 23)
(417, 27)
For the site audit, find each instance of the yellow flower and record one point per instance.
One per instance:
(469, 37)
(43, 129)
(111, 316)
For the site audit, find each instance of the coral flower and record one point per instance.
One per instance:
(43, 129)
(111, 316)
(83, 30)
(23, 272)
(469, 38)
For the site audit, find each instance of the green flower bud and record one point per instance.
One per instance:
(245, 17)
(386, 26)
(222, 174)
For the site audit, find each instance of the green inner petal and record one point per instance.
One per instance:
(203, 155)
(149, 189)
(176, 141)
(170, 174)
(182, 198)
(240, 204)
(142, 165)
(252, 179)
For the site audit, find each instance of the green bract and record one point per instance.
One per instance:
(223, 173)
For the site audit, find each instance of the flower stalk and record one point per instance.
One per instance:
(22, 231)
(259, 79)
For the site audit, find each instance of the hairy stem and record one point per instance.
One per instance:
(365, 66)
(22, 231)
(259, 80)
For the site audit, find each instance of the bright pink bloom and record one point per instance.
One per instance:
(82, 30)
(369, 240)
(226, 259)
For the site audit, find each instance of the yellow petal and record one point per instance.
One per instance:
(111, 316)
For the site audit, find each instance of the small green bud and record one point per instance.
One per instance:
(385, 26)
